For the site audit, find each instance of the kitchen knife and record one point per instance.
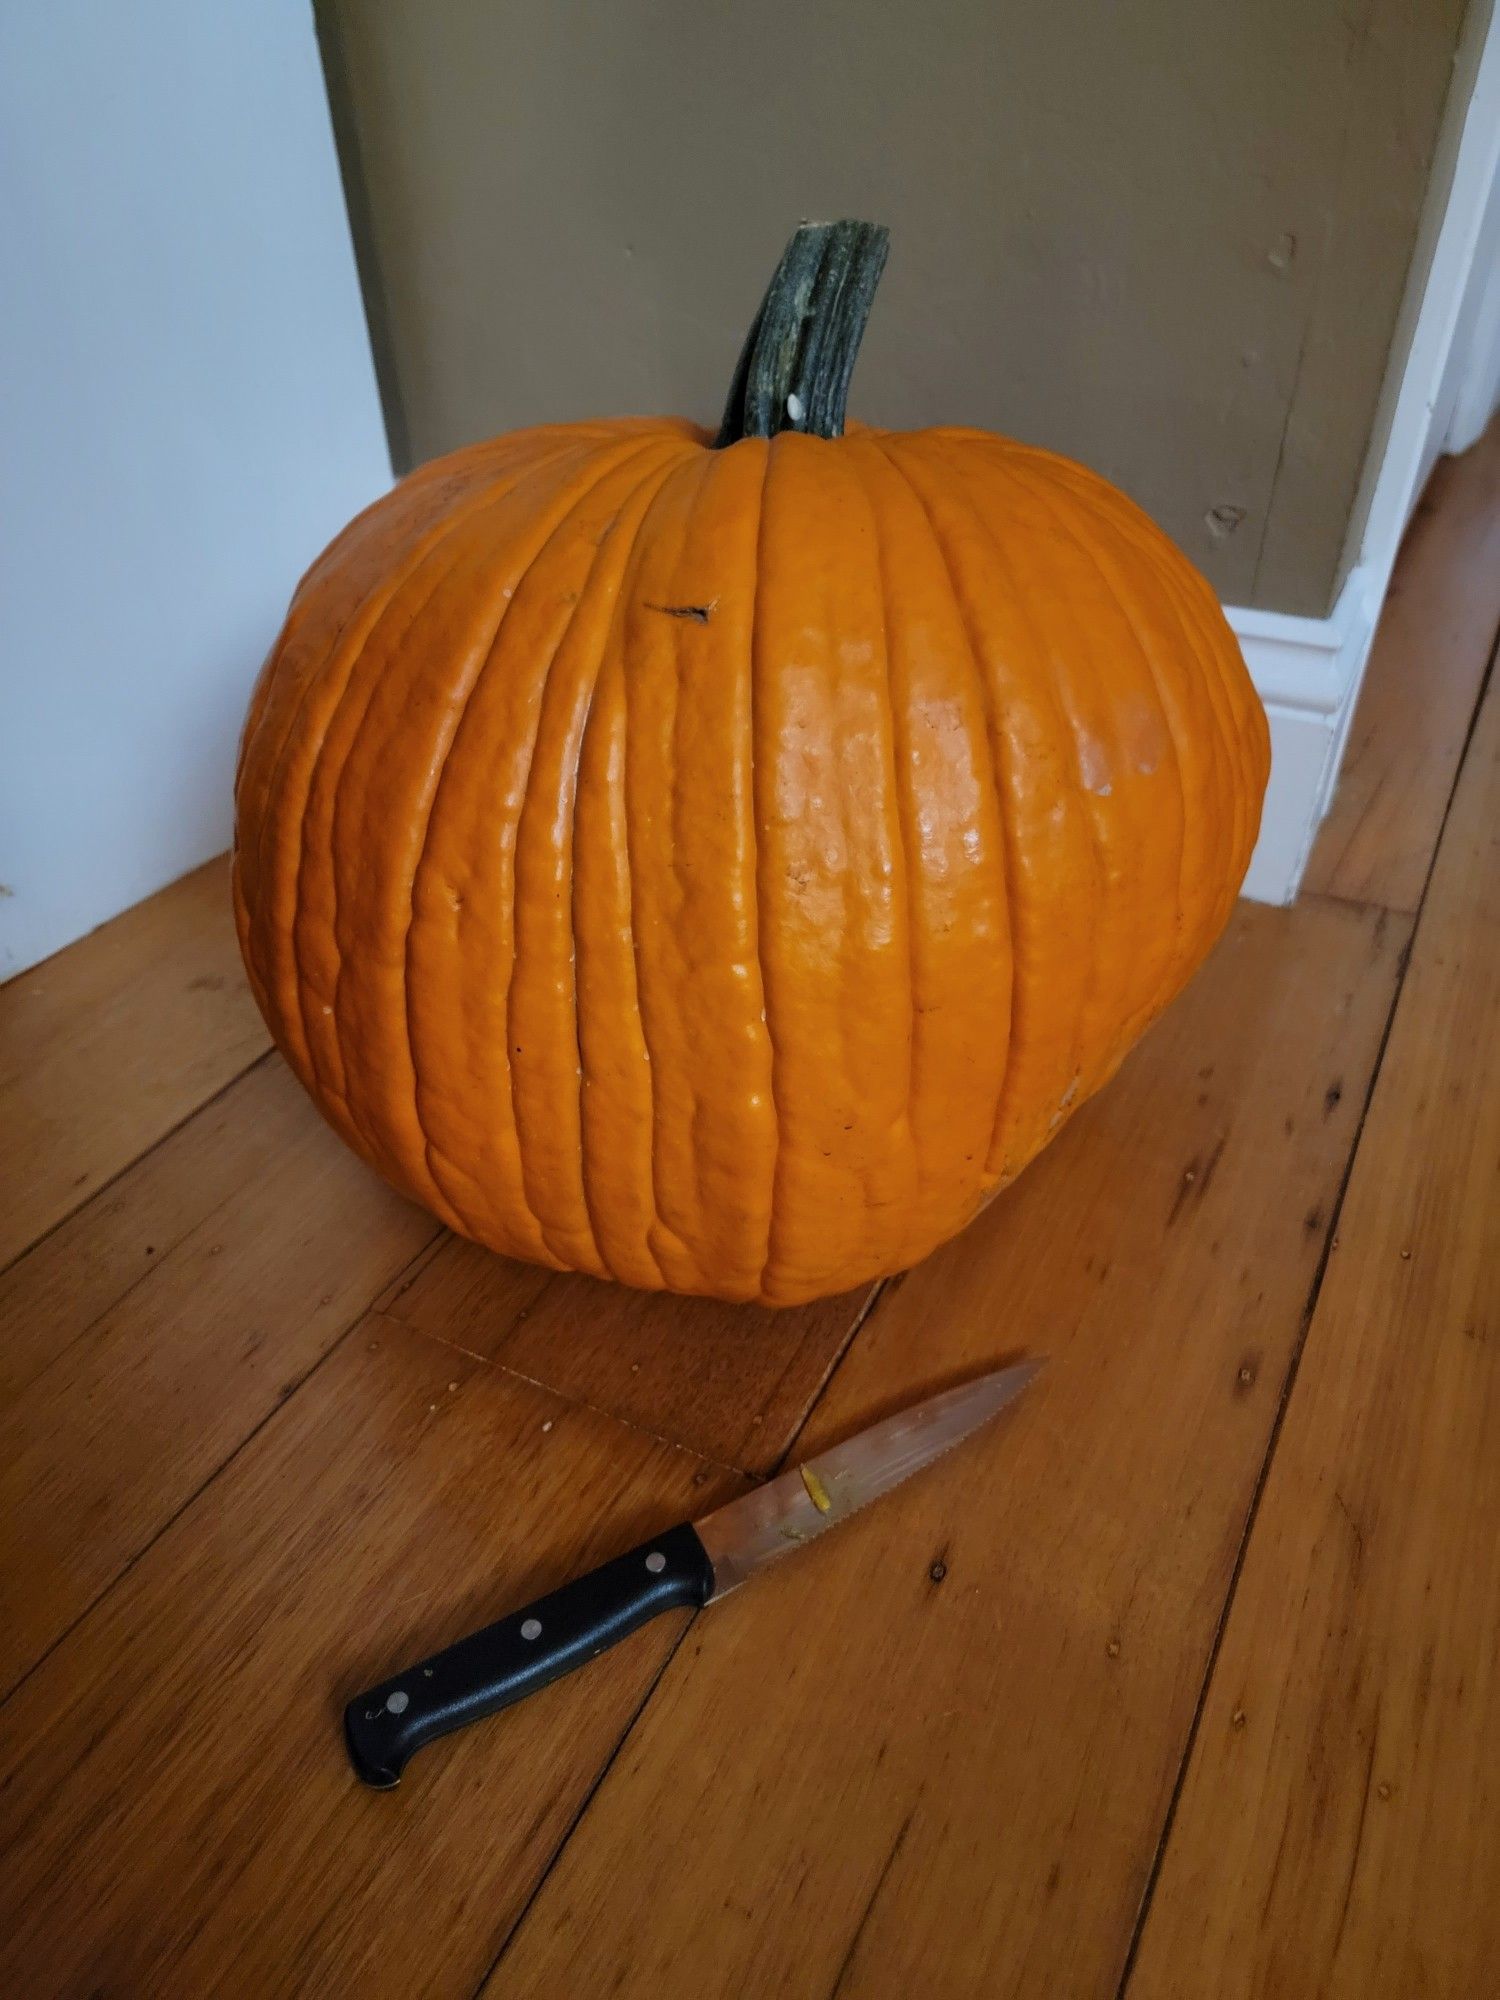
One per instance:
(693, 1563)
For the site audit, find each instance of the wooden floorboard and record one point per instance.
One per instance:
(1339, 1831)
(150, 1334)
(935, 1756)
(730, 1382)
(1437, 630)
(179, 1815)
(108, 1046)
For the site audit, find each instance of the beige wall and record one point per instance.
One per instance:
(1169, 237)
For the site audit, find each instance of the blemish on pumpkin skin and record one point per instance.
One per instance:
(699, 613)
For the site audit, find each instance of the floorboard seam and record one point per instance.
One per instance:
(190, 1500)
(131, 1164)
(570, 1397)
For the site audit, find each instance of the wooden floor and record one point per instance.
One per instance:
(1184, 1680)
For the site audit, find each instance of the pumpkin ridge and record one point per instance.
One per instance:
(576, 500)
(442, 524)
(627, 462)
(297, 841)
(663, 1241)
(758, 870)
(1122, 831)
(613, 805)
(998, 763)
(1138, 530)
(1221, 735)
(391, 1144)
(1225, 740)
(1199, 619)
(1084, 1065)
(1218, 644)
(275, 760)
(939, 1116)
(901, 786)
(421, 1164)
(1165, 973)
(752, 1236)
(629, 564)
(727, 665)
(679, 1215)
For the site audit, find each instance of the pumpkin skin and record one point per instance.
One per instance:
(724, 869)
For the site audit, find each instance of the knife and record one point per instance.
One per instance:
(692, 1564)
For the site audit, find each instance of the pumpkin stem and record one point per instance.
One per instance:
(794, 369)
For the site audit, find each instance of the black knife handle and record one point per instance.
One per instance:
(523, 1652)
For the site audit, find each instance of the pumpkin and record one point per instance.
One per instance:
(721, 863)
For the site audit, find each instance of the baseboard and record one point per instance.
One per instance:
(1307, 672)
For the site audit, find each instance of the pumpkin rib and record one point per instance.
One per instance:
(998, 765)
(387, 587)
(1247, 790)
(1139, 973)
(1249, 734)
(594, 1024)
(628, 570)
(933, 1175)
(1229, 737)
(479, 840)
(1051, 700)
(1181, 942)
(835, 960)
(899, 754)
(1126, 520)
(575, 500)
(384, 589)
(409, 565)
(715, 1024)
(867, 781)
(1125, 959)
(664, 1241)
(359, 755)
(1118, 513)
(419, 1165)
(679, 1205)
(1224, 739)
(635, 468)
(297, 841)
(759, 818)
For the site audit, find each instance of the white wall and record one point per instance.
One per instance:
(187, 413)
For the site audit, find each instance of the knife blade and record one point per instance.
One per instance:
(692, 1564)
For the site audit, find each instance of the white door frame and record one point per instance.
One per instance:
(1308, 670)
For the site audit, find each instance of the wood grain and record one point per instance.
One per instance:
(146, 1337)
(106, 1047)
(936, 1759)
(180, 1817)
(1338, 1831)
(730, 1382)
(1436, 633)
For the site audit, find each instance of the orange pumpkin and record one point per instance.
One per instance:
(721, 864)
